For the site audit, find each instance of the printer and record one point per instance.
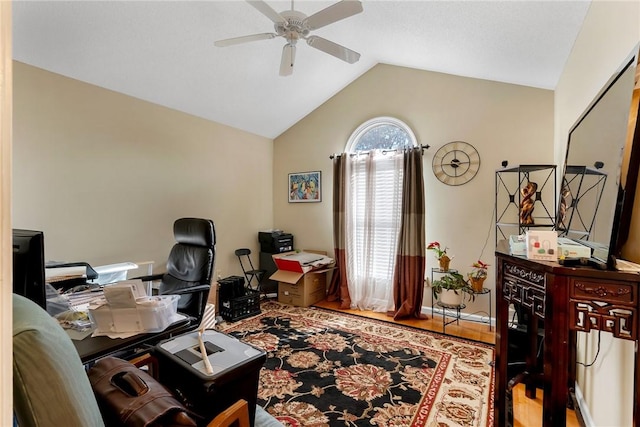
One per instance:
(275, 241)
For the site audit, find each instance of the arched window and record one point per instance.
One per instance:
(383, 133)
(374, 209)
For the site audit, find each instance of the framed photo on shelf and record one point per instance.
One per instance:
(305, 187)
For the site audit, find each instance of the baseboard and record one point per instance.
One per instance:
(584, 409)
(469, 317)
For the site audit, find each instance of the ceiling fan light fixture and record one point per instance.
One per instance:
(288, 59)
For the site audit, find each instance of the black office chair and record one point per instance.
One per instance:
(189, 266)
(250, 272)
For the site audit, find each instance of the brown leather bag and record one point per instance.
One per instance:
(130, 397)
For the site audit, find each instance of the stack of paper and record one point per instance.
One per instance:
(301, 262)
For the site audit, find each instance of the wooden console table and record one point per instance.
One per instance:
(567, 299)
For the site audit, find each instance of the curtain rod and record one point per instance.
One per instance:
(422, 147)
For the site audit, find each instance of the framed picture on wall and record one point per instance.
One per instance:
(305, 187)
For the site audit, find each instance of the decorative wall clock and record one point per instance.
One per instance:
(456, 163)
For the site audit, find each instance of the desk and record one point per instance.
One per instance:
(91, 349)
(567, 299)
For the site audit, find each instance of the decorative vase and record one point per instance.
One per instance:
(444, 262)
(450, 297)
(477, 283)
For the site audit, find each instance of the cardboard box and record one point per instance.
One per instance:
(307, 290)
(301, 277)
(542, 245)
(517, 245)
(568, 248)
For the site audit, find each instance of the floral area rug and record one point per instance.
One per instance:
(325, 368)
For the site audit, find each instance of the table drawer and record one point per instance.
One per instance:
(623, 293)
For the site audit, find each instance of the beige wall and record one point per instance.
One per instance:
(610, 32)
(6, 311)
(503, 122)
(105, 175)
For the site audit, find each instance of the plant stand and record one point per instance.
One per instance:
(463, 316)
(446, 308)
(436, 272)
(459, 315)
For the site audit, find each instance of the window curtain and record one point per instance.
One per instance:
(379, 268)
(338, 288)
(373, 217)
(408, 278)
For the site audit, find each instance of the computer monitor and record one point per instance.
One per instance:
(28, 265)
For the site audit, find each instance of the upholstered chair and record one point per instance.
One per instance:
(50, 385)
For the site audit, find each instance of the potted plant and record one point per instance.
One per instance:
(478, 275)
(441, 255)
(450, 289)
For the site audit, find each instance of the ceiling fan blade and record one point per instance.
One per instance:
(333, 13)
(267, 11)
(288, 58)
(334, 49)
(244, 39)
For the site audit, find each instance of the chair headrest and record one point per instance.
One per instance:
(195, 231)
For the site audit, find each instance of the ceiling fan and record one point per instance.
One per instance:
(294, 25)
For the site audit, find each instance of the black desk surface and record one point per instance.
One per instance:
(91, 349)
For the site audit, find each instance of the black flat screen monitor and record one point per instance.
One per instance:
(28, 265)
(601, 168)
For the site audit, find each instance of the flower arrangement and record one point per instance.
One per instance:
(479, 270)
(435, 246)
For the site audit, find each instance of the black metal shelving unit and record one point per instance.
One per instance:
(580, 196)
(509, 182)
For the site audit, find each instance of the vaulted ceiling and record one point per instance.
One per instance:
(163, 51)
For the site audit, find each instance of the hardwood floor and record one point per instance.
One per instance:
(527, 412)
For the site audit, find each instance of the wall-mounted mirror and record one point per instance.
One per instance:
(601, 168)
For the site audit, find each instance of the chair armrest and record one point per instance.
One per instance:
(236, 414)
(149, 278)
(188, 290)
(193, 298)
